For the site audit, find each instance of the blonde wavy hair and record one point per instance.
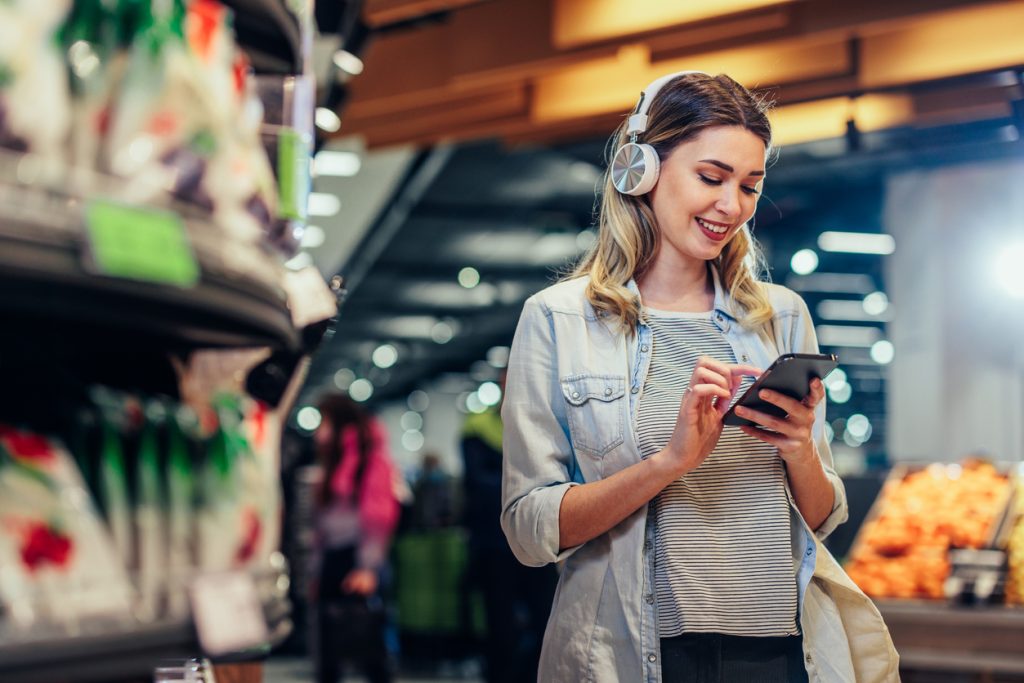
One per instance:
(628, 238)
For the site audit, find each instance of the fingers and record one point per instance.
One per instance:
(781, 441)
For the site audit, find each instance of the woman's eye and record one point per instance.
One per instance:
(749, 190)
(709, 181)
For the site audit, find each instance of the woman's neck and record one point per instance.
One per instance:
(682, 288)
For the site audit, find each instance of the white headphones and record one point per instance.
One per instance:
(635, 165)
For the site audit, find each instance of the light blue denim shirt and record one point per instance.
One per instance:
(574, 380)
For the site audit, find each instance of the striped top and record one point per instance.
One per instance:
(723, 562)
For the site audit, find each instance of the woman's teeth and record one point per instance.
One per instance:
(710, 226)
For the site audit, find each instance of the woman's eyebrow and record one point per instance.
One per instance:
(726, 167)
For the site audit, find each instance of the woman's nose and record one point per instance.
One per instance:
(728, 202)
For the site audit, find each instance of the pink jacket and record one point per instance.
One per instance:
(367, 519)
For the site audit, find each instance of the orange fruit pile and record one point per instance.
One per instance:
(903, 551)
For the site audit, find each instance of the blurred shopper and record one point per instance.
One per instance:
(517, 599)
(692, 552)
(356, 519)
(432, 504)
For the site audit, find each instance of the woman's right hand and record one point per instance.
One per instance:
(713, 385)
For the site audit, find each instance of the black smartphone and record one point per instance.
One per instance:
(790, 374)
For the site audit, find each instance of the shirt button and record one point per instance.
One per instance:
(575, 394)
(644, 348)
(652, 658)
(746, 358)
(607, 391)
(635, 390)
(810, 550)
(649, 598)
(807, 658)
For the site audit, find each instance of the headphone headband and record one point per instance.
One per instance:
(638, 119)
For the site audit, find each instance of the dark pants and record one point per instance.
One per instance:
(350, 627)
(716, 658)
(517, 602)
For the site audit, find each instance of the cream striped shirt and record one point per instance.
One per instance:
(723, 561)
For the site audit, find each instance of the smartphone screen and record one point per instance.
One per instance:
(790, 374)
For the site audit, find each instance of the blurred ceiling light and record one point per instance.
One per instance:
(469, 277)
(882, 352)
(474, 404)
(411, 420)
(840, 393)
(497, 356)
(584, 172)
(837, 376)
(857, 242)
(449, 294)
(343, 378)
(384, 356)
(418, 400)
(859, 425)
(332, 163)
(326, 120)
(489, 393)
(804, 262)
(585, 239)
(875, 303)
(348, 62)
(360, 390)
(1009, 269)
(313, 236)
(847, 309)
(412, 440)
(308, 418)
(441, 332)
(405, 326)
(853, 283)
(847, 335)
(553, 248)
(323, 204)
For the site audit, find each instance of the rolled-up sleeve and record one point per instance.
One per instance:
(804, 340)
(536, 447)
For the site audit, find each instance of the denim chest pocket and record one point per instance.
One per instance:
(596, 411)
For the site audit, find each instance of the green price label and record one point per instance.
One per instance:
(292, 174)
(140, 243)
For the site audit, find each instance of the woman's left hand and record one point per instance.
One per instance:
(793, 434)
(360, 582)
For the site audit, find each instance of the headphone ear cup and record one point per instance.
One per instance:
(635, 168)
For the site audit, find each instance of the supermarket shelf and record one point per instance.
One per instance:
(49, 287)
(124, 652)
(938, 636)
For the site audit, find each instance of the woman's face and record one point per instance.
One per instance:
(707, 189)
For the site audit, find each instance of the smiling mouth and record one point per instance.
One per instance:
(717, 228)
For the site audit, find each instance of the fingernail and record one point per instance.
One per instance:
(765, 394)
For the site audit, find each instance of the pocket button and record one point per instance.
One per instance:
(575, 394)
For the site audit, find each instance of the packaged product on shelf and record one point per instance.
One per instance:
(151, 515)
(113, 480)
(60, 567)
(179, 475)
(35, 111)
(902, 550)
(230, 510)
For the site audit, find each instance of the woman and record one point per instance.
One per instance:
(692, 551)
(357, 515)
